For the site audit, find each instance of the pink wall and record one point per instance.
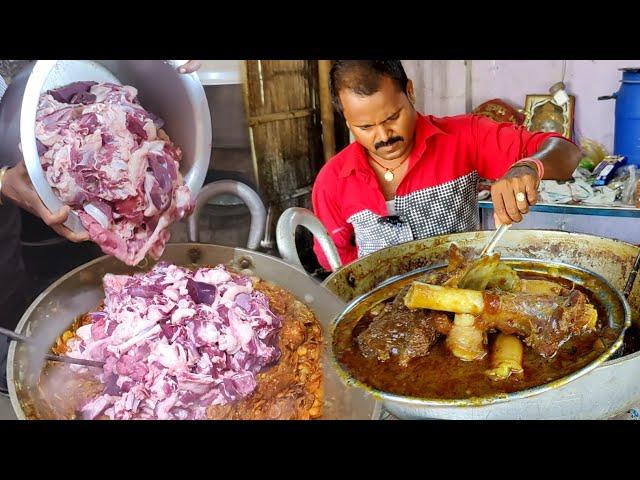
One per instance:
(440, 87)
(586, 79)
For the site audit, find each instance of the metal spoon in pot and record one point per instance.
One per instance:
(495, 238)
(56, 358)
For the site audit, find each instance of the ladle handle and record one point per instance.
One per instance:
(495, 238)
(30, 341)
(17, 337)
(632, 278)
(75, 361)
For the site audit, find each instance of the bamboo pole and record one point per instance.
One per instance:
(326, 110)
(245, 98)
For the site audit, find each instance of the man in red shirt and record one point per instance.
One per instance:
(410, 176)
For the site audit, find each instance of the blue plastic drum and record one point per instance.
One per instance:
(627, 116)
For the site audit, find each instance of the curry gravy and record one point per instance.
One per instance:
(442, 375)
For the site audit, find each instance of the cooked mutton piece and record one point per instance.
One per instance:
(400, 333)
(544, 321)
(457, 267)
(506, 279)
(542, 287)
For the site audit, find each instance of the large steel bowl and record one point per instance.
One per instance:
(613, 303)
(607, 391)
(81, 290)
(179, 99)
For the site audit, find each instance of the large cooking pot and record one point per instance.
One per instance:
(179, 99)
(81, 290)
(608, 390)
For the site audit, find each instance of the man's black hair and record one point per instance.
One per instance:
(363, 77)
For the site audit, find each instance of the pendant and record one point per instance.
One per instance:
(388, 176)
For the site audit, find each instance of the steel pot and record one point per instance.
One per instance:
(607, 391)
(81, 290)
(618, 317)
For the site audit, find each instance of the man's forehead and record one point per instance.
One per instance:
(372, 109)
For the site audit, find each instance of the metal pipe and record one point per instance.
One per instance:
(20, 338)
(238, 189)
(468, 86)
(291, 219)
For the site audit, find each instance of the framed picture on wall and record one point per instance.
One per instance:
(543, 115)
(500, 111)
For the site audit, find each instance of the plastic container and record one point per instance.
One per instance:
(627, 115)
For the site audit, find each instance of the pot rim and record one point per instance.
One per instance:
(480, 234)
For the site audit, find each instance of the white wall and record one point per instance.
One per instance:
(220, 72)
(440, 87)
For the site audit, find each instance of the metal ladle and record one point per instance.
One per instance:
(56, 358)
(495, 238)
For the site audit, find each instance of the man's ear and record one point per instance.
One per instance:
(410, 92)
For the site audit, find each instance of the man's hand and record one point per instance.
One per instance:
(514, 193)
(17, 187)
(190, 67)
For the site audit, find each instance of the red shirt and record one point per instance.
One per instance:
(438, 194)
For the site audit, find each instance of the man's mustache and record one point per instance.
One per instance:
(389, 142)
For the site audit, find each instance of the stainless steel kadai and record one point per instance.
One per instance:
(608, 390)
(81, 290)
(618, 317)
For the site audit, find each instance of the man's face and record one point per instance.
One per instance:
(384, 123)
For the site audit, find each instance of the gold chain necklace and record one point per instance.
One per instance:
(388, 175)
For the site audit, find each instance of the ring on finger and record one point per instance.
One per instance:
(521, 197)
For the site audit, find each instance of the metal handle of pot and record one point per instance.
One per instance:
(291, 219)
(238, 189)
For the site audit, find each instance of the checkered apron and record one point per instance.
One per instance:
(450, 207)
